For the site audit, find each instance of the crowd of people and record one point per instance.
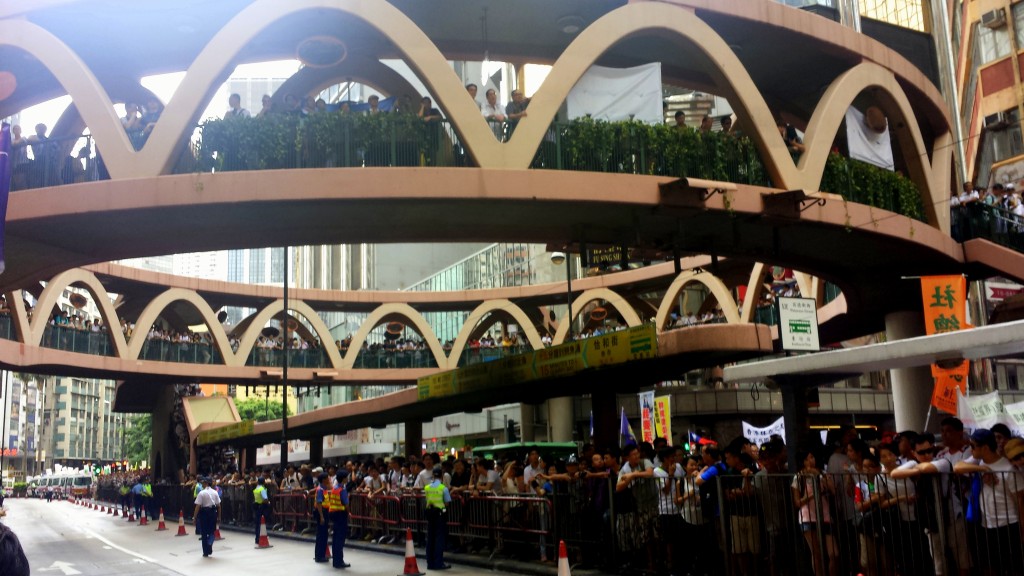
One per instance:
(993, 212)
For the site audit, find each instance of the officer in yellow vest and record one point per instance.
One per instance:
(260, 506)
(438, 499)
(147, 497)
(338, 504)
(321, 514)
(125, 498)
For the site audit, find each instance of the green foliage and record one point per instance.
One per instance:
(259, 409)
(138, 438)
(20, 487)
(863, 183)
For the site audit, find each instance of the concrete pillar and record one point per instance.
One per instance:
(527, 417)
(560, 419)
(414, 437)
(911, 387)
(316, 449)
(794, 411)
(606, 419)
(249, 458)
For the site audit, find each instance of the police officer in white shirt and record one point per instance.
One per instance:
(207, 515)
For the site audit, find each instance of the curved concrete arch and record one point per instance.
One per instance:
(628, 21)
(211, 65)
(805, 283)
(248, 339)
(828, 117)
(362, 69)
(379, 315)
(755, 286)
(481, 312)
(713, 283)
(92, 100)
(611, 297)
(151, 313)
(55, 287)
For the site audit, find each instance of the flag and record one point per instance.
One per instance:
(698, 439)
(626, 436)
(5, 183)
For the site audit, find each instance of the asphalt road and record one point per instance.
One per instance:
(61, 539)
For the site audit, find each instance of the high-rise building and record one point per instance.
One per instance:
(79, 425)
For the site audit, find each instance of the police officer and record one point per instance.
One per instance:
(438, 499)
(137, 497)
(147, 497)
(260, 505)
(125, 492)
(321, 514)
(338, 502)
(206, 515)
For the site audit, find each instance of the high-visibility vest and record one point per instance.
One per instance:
(332, 500)
(125, 490)
(147, 490)
(196, 489)
(435, 496)
(257, 494)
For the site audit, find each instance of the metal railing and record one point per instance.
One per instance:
(72, 339)
(980, 220)
(55, 162)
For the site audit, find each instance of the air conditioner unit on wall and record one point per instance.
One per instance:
(997, 121)
(994, 18)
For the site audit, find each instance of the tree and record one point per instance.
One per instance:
(259, 410)
(137, 438)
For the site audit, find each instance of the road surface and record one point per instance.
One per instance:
(62, 539)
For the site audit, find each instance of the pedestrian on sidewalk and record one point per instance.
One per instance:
(206, 515)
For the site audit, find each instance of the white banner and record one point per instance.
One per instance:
(982, 411)
(614, 94)
(761, 435)
(867, 143)
(1015, 417)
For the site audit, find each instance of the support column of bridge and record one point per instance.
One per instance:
(560, 419)
(911, 387)
(606, 424)
(413, 437)
(316, 449)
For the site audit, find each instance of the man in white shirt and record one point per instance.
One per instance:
(207, 515)
(235, 109)
(532, 467)
(1002, 488)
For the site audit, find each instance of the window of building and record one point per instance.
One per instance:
(277, 265)
(1018, 23)
(993, 43)
(905, 13)
(1000, 144)
(256, 266)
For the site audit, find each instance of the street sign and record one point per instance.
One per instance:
(798, 318)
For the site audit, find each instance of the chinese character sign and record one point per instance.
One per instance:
(647, 416)
(761, 435)
(947, 382)
(945, 303)
(663, 417)
(981, 411)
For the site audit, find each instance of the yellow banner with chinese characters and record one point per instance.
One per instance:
(947, 382)
(663, 417)
(945, 303)
(229, 432)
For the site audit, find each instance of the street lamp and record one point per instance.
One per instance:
(557, 258)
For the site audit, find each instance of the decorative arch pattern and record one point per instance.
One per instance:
(481, 312)
(248, 339)
(380, 315)
(151, 313)
(717, 288)
(54, 288)
(609, 296)
(361, 69)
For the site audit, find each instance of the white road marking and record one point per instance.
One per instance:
(116, 547)
(64, 567)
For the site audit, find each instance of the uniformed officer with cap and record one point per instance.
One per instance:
(206, 512)
(338, 498)
(438, 499)
(260, 505)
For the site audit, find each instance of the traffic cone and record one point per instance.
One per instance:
(563, 560)
(117, 513)
(142, 518)
(411, 569)
(131, 515)
(110, 510)
(328, 554)
(181, 524)
(216, 534)
(264, 541)
(160, 524)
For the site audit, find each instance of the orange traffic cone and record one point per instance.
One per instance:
(110, 510)
(131, 515)
(181, 524)
(117, 513)
(411, 569)
(563, 560)
(264, 541)
(328, 554)
(160, 524)
(216, 534)
(142, 518)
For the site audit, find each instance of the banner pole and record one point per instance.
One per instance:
(928, 417)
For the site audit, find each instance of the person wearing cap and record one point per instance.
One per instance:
(438, 499)
(1014, 452)
(206, 515)
(260, 505)
(338, 504)
(1002, 487)
(321, 513)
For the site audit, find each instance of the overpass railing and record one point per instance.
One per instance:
(981, 220)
